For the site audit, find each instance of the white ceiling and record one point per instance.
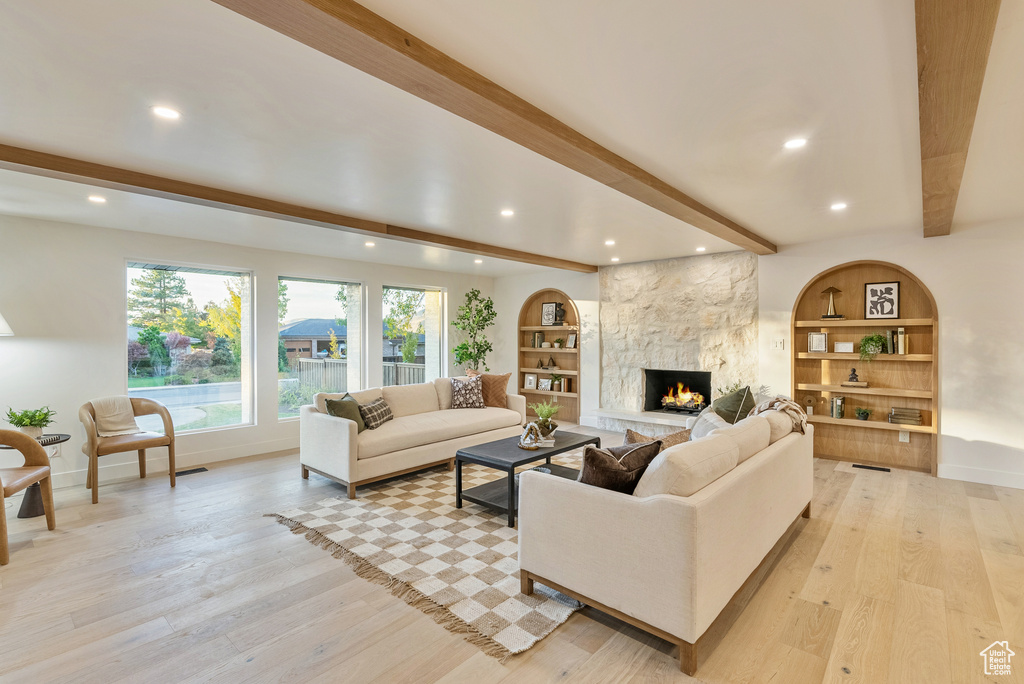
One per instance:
(701, 94)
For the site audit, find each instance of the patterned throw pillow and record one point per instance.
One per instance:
(467, 393)
(617, 468)
(376, 413)
(495, 388)
(667, 441)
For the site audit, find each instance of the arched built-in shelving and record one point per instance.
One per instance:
(568, 360)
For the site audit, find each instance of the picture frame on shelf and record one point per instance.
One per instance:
(882, 300)
(570, 342)
(544, 384)
(547, 313)
(843, 347)
(817, 342)
(538, 340)
(530, 381)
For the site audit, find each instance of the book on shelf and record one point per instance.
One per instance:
(901, 341)
(905, 416)
(888, 342)
(896, 420)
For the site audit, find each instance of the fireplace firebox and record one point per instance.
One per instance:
(676, 391)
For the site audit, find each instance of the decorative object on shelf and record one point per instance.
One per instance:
(530, 381)
(843, 347)
(571, 344)
(538, 339)
(817, 342)
(556, 382)
(871, 345)
(558, 343)
(551, 363)
(854, 381)
(559, 313)
(862, 413)
(545, 345)
(547, 313)
(540, 364)
(31, 421)
(544, 384)
(905, 416)
(809, 403)
(882, 300)
(831, 313)
(545, 412)
(474, 316)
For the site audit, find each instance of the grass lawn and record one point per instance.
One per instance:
(145, 382)
(217, 415)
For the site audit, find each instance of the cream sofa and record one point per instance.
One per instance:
(667, 564)
(426, 431)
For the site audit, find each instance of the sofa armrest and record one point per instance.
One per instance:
(516, 402)
(631, 554)
(328, 443)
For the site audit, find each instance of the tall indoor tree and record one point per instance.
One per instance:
(474, 316)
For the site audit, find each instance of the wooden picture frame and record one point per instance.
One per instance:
(544, 384)
(882, 300)
(817, 343)
(530, 381)
(547, 313)
(570, 342)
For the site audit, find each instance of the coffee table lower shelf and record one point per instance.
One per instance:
(495, 494)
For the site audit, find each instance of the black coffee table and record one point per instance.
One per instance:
(505, 455)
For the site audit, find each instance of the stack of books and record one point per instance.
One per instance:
(896, 341)
(905, 416)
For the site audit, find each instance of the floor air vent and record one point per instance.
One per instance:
(189, 472)
(867, 467)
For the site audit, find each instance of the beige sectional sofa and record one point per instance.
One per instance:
(666, 563)
(426, 431)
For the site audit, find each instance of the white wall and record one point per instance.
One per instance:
(62, 289)
(510, 292)
(977, 278)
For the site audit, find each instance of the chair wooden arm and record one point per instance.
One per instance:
(30, 449)
(88, 418)
(145, 407)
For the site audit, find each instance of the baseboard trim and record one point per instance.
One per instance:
(1001, 478)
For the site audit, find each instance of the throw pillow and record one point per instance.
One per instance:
(707, 421)
(495, 388)
(376, 413)
(667, 441)
(348, 408)
(617, 468)
(687, 468)
(734, 407)
(467, 393)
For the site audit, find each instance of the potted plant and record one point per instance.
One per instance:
(31, 421)
(545, 412)
(871, 346)
(473, 317)
(862, 413)
(556, 381)
(559, 342)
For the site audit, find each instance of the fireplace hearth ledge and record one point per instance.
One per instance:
(651, 417)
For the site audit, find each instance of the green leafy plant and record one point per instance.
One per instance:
(560, 341)
(871, 346)
(862, 413)
(31, 417)
(473, 317)
(555, 377)
(545, 412)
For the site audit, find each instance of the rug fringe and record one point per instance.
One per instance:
(400, 589)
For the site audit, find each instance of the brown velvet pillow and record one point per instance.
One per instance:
(667, 441)
(495, 387)
(617, 468)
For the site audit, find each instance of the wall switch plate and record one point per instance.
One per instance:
(779, 343)
(905, 435)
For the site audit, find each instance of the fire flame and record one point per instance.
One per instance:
(682, 396)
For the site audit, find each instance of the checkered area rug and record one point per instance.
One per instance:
(460, 566)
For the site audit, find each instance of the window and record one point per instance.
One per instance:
(190, 344)
(413, 339)
(318, 341)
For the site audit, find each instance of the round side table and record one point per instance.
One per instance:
(32, 502)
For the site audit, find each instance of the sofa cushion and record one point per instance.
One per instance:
(362, 396)
(408, 400)
(689, 467)
(617, 468)
(347, 408)
(735, 406)
(495, 388)
(669, 440)
(429, 428)
(467, 394)
(781, 424)
(707, 421)
(376, 413)
(750, 434)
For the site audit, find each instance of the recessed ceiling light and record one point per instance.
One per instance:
(507, 212)
(370, 244)
(609, 242)
(98, 199)
(838, 206)
(795, 143)
(478, 261)
(701, 249)
(167, 113)
(615, 258)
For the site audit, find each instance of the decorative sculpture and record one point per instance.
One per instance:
(832, 292)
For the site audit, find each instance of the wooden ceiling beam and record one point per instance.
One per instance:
(79, 171)
(350, 33)
(954, 38)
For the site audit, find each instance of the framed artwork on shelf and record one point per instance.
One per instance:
(843, 347)
(882, 300)
(544, 384)
(817, 342)
(530, 381)
(547, 313)
(571, 342)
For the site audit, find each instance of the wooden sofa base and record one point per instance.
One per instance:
(687, 651)
(450, 462)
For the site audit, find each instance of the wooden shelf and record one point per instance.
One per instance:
(545, 328)
(873, 323)
(853, 356)
(550, 349)
(877, 391)
(548, 372)
(870, 424)
(555, 394)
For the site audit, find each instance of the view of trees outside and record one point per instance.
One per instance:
(411, 335)
(191, 359)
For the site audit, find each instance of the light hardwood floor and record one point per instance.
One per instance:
(897, 577)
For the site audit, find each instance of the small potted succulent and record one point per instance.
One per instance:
(545, 412)
(559, 342)
(31, 421)
(862, 413)
(556, 382)
(871, 346)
